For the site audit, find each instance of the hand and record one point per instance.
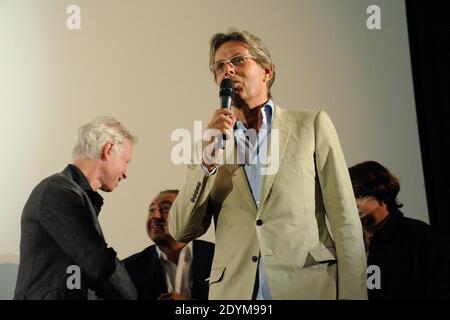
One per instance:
(222, 123)
(222, 120)
(172, 296)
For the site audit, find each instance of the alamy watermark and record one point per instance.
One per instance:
(373, 21)
(74, 279)
(73, 22)
(252, 147)
(373, 277)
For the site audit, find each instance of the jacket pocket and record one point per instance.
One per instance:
(216, 274)
(320, 256)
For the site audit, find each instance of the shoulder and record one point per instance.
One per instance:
(420, 230)
(204, 245)
(54, 190)
(303, 116)
(147, 252)
(58, 182)
(300, 113)
(425, 237)
(415, 225)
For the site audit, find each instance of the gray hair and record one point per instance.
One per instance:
(258, 49)
(92, 137)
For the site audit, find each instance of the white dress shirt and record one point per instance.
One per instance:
(178, 276)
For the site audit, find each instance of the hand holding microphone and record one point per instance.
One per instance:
(223, 120)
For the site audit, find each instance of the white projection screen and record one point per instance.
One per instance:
(145, 62)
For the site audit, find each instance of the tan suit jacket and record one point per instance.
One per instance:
(307, 229)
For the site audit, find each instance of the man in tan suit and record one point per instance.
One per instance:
(292, 232)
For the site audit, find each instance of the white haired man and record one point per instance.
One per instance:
(63, 254)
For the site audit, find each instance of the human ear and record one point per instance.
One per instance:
(268, 73)
(107, 151)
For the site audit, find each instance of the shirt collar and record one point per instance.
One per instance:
(267, 111)
(80, 179)
(188, 254)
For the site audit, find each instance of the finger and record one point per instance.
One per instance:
(218, 121)
(227, 120)
(224, 111)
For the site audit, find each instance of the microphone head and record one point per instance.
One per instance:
(226, 88)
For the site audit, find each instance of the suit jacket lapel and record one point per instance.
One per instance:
(236, 169)
(155, 274)
(94, 217)
(281, 128)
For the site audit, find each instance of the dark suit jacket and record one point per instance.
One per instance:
(59, 228)
(414, 260)
(147, 272)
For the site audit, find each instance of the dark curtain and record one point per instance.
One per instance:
(429, 38)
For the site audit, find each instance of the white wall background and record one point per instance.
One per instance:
(146, 63)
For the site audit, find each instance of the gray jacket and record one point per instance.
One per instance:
(60, 233)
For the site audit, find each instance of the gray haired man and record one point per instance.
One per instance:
(63, 254)
(272, 236)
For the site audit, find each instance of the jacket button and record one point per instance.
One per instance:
(259, 222)
(254, 258)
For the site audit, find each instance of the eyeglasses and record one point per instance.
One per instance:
(236, 61)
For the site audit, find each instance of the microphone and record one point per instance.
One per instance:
(225, 94)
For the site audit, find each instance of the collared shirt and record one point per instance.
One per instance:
(252, 152)
(178, 276)
(81, 180)
(253, 148)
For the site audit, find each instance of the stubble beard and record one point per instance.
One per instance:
(237, 101)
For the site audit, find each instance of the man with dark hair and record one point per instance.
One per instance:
(170, 270)
(413, 260)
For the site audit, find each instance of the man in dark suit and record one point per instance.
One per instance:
(170, 270)
(412, 258)
(63, 254)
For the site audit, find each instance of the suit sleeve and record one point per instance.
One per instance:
(189, 216)
(67, 219)
(340, 205)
